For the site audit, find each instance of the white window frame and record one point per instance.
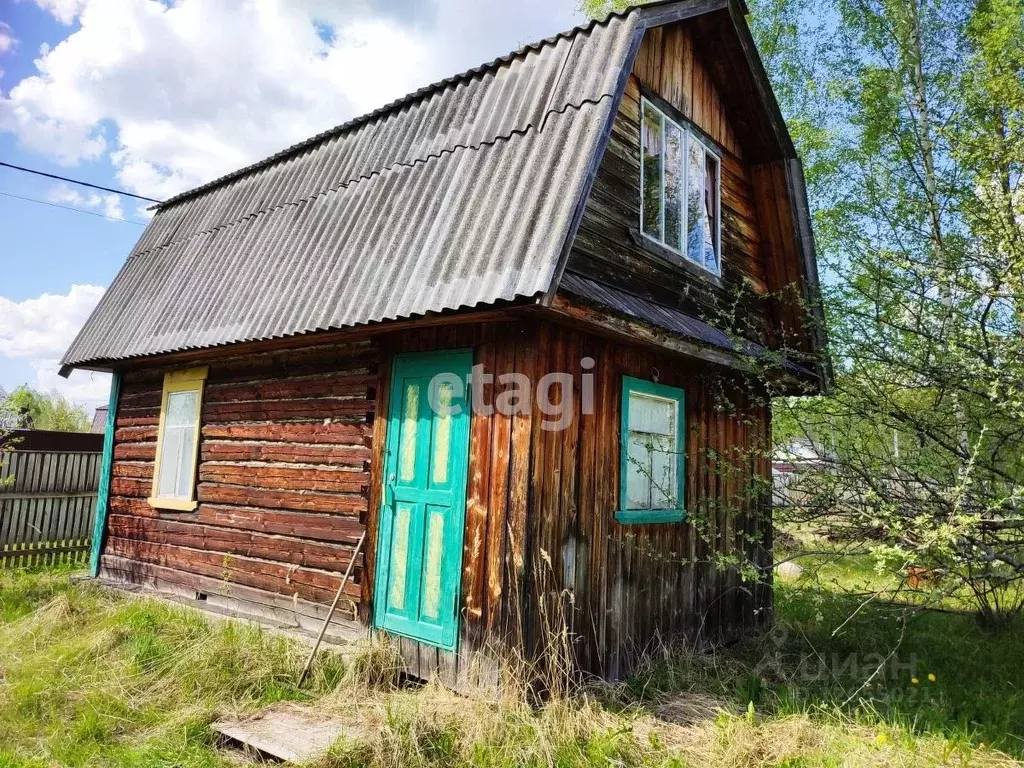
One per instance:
(689, 135)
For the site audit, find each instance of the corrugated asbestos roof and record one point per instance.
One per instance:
(458, 195)
(666, 318)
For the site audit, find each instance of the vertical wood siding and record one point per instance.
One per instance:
(608, 246)
(47, 503)
(637, 585)
(283, 482)
(540, 510)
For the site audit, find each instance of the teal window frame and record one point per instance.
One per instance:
(625, 516)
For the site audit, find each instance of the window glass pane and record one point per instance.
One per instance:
(171, 449)
(178, 446)
(711, 192)
(638, 472)
(186, 460)
(695, 213)
(652, 415)
(182, 409)
(651, 158)
(673, 185)
(177, 458)
(664, 461)
(652, 458)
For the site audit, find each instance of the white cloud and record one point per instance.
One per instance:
(43, 327)
(63, 10)
(39, 330)
(109, 204)
(85, 388)
(7, 38)
(202, 87)
(178, 93)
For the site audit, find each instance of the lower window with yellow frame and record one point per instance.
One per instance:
(174, 476)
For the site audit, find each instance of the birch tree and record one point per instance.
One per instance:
(925, 261)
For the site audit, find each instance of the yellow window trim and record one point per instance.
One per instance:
(189, 380)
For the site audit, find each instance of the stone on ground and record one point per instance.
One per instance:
(789, 570)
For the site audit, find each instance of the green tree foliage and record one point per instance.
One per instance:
(923, 246)
(5, 445)
(28, 408)
(908, 116)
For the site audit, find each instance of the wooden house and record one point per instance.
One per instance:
(613, 219)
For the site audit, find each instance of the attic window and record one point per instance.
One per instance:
(680, 183)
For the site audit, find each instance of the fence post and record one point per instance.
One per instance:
(103, 494)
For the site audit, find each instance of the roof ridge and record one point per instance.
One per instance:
(502, 138)
(392, 106)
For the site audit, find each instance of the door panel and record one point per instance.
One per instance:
(419, 545)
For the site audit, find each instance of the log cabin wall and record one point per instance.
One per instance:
(283, 478)
(289, 474)
(609, 246)
(290, 453)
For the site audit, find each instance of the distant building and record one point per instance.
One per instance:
(792, 459)
(99, 420)
(799, 453)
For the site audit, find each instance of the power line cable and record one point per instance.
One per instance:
(76, 181)
(72, 208)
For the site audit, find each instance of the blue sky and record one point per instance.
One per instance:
(45, 249)
(156, 97)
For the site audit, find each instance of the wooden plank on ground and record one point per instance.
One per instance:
(286, 733)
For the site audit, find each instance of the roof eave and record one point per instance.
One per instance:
(300, 339)
(812, 285)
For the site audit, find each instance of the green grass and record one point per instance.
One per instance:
(978, 690)
(90, 678)
(843, 654)
(820, 661)
(977, 693)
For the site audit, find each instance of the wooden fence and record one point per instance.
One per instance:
(48, 488)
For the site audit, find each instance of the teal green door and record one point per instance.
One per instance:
(419, 540)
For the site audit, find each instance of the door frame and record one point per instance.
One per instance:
(454, 360)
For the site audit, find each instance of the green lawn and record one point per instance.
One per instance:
(847, 658)
(90, 678)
